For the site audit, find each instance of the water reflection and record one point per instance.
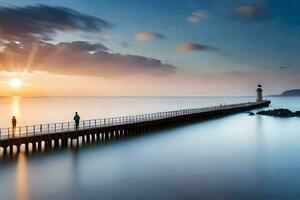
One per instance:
(15, 106)
(21, 178)
(259, 132)
(260, 149)
(74, 170)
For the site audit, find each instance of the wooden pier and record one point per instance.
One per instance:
(57, 135)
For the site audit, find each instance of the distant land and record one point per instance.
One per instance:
(289, 93)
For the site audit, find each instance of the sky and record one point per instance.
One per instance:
(148, 48)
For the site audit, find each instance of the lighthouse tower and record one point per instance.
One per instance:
(259, 97)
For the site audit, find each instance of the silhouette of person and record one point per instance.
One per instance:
(76, 119)
(14, 124)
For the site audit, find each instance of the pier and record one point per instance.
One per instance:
(57, 135)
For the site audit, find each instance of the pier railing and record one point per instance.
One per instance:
(41, 129)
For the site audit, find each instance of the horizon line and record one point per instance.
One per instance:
(126, 96)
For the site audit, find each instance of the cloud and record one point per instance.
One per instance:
(189, 46)
(251, 13)
(124, 44)
(146, 36)
(105, 37)
(25, 32)
(41, 22)
(77, 58)
(80, 46)
(283, 67)
(197, 16)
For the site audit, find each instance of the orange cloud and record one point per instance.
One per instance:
(146, 36)
(190, 46)
(251, 13)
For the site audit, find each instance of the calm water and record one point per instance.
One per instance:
(235, 157)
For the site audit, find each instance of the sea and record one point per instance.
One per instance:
(233, 157)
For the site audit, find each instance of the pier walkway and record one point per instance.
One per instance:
(61, 134)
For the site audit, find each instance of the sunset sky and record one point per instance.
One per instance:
(157, 47)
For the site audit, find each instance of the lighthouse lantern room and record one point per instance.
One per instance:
(259, 97)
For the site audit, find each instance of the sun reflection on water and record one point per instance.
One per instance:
(21, 178)
(15, 106)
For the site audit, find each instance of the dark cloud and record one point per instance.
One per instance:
(251, 13)
(81, 46)
(189, 46)
(41, 22)
(282, 67)
(77, 58)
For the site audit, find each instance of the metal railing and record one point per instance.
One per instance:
(41, 129)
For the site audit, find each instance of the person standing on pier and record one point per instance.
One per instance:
(14, 124)
(76, 119)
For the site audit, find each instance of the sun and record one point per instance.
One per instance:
(15, 83)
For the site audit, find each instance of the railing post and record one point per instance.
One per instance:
(26, 131)
(41, 129)
(33, 129)
(55, 127)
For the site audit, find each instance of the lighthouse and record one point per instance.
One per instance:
(259, 97)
